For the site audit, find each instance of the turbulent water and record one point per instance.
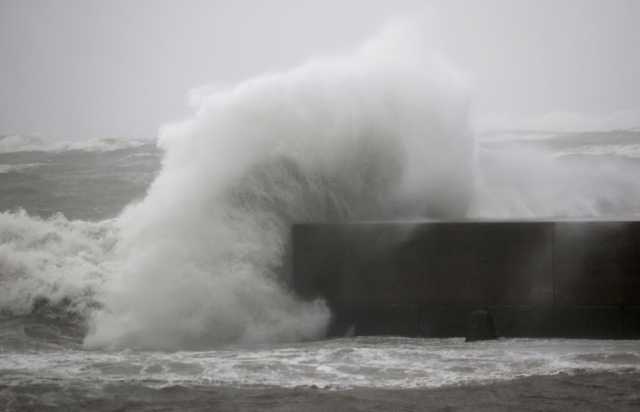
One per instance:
(139, 272)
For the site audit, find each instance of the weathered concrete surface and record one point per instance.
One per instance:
(538, 279)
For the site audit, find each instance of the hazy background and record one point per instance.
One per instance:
(76, 69)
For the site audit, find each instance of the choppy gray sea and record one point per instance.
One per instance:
(58, 232)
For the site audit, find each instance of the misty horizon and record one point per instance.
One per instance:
(74, 70)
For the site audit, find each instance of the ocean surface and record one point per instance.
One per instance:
(60, 235)
(156, 274)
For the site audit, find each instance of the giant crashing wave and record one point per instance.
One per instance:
(377, 134)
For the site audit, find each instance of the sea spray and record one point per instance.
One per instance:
(544, 178)
(378, 134)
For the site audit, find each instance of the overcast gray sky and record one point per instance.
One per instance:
(80, 69)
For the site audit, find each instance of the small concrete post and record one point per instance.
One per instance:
(480, 326)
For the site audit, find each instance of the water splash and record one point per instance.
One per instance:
(380, 133)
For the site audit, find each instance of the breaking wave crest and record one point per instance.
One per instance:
(205, 256)
(54, 260)
(34, 143)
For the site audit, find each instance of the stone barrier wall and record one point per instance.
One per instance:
(538, 279)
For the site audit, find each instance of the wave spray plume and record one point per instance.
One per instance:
(382, 133)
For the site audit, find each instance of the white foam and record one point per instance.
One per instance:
(53, 259)
(382, 362)
(21, 167)
(33, 143)
(631, 150)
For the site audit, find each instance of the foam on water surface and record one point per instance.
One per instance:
(383, 362)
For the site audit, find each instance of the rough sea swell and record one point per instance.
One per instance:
(184, 245)
(202, 259)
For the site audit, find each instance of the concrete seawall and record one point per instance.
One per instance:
(574, 279)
